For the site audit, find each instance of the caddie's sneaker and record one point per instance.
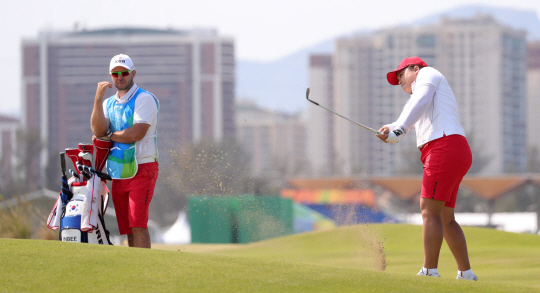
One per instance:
(467, 276)
(428, 273)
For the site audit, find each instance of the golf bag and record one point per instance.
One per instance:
(81, 205)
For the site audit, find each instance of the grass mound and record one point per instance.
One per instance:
(353, 246)
(346, 259)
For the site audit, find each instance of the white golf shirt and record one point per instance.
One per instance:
(432, 108)
(145, 112)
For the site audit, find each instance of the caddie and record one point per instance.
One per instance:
(130, 120)
(432, 109)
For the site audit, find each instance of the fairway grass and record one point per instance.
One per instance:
(345, 259)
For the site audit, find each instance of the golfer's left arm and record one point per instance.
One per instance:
(420, 102)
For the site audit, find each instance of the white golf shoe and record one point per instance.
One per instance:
(427, 273)
(469, 276)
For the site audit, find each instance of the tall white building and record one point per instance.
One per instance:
(275, 142)
(533, 95)
(362, 94)
(483, 61)
(320, 123)
(8, 131)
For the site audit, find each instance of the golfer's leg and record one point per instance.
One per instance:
(432, 230)
(130, 239)
(455, 239)
(141, 238)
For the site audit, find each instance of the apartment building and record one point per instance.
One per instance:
(275, 142)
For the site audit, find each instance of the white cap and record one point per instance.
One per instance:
(121, 60)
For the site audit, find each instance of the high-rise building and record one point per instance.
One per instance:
(362, 94)
(483, 61)
(275, 142)
(8, 129)
(320, 123)
(192, 73)
(533, 96)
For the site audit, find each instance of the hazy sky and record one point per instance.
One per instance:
(263, 30)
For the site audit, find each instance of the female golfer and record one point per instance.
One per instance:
(432, 109)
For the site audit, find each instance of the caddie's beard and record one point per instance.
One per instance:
(126, 87)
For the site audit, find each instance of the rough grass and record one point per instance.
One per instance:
(339, 260)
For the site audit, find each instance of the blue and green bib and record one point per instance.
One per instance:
(121, 162)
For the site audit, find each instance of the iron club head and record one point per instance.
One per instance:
(307, 97)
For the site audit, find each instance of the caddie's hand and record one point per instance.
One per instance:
(101, 88)
(384, 133)
(102, 138)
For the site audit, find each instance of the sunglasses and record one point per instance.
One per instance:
(123, 73)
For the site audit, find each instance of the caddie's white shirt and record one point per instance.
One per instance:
(432, 108)
(145, 112)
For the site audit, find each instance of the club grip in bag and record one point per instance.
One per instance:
(63, 162)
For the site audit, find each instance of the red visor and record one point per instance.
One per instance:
(392, 75)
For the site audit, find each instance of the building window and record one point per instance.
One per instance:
(426, 41)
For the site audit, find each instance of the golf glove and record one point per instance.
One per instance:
(394, 136)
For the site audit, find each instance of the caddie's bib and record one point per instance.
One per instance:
(122, 162)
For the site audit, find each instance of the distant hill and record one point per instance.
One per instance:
(281, 84)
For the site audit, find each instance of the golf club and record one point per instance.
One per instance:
(86, 175)
(88, 171)
(66, 193)
(74, 174)
(370, 129)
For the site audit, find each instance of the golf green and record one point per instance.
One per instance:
(346, 259)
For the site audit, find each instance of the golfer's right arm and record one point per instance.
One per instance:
(98, 121)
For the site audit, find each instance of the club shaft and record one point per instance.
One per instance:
(368, 128)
